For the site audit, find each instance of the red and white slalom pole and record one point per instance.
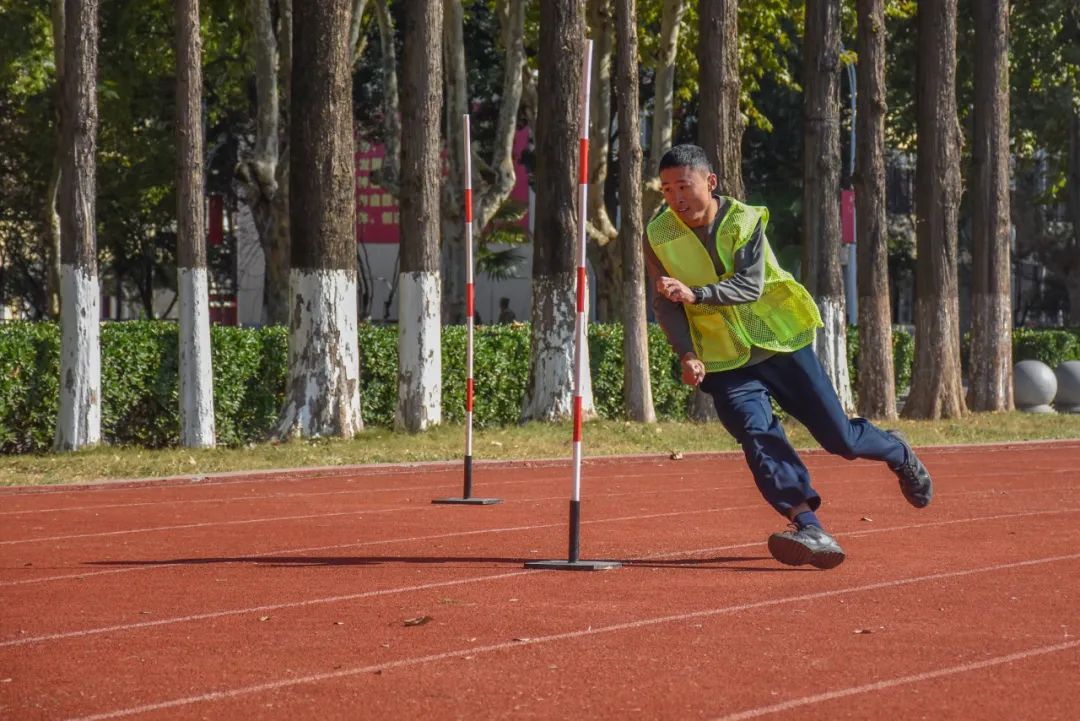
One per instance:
(574, 562)
(470, 314)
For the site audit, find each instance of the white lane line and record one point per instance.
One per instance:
(866, 532)
(375, 470)
(406, 589)
(257, 609)
(539, 640)
(275, 496)
(899, 681)
(441, 487)
(151, 529)
(383, 541)
(426, 507)
(656, 556)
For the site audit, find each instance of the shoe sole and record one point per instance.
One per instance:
(908, 496)
(914, 500)
(792, 553)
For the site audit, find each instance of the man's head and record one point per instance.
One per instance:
(687, 181)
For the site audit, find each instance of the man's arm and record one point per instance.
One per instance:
(747, 282)
(669, 314)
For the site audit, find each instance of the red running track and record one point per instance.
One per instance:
(345, 594)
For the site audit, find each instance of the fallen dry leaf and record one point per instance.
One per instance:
(418, 621)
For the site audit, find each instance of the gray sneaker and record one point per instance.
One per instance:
(914, 479)
(809, 544)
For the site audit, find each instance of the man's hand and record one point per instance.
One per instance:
(674, 290)
(693, 369)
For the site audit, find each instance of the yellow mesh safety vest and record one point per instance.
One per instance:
(785, 317)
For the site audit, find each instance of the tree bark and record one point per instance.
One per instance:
(419, 311)
(389, 175)
(79, 420)
(260, 174)
(493, 181)
(322, 395)
(1072, 279)
(637, 390)
(671, 17)
(876, 378)
(990, 387)
(549, 390)
(936, 390)
(357, 42)
(453, 184)
(51, 217)
(603, 256)
(720, 125)
(196, 374)
(821, 186)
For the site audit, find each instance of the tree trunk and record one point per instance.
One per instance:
(876, 379)
(1072, 280)
(453, 185)
(196, 374)
(419, 306)
(603, 256)
(79, 420)
(990, 387)
(322, 394)
(550, 386)
(671, 17)
(492, 184)
(637, 390)
(260, 173)
(388, 176)
(357, 41)
(821, 186)
(936, 390)
(51, 217)
(720, 125)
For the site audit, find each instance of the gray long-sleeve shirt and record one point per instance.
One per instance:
(745, 285)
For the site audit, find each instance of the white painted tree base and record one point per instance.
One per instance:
(549, 395)
(831, 348)
(322, 394)
(79, 422)
(196, 373)
(419, 403)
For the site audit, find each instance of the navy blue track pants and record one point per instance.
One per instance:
(798, 383)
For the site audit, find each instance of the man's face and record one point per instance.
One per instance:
(688, 192)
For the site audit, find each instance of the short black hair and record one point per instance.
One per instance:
(686, 156)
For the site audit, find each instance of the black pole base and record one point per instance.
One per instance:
(468, 501)
(574, 565)
(466, 498)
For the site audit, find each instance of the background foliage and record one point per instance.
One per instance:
(140, 403)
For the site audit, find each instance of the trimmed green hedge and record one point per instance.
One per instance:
(140, 380)
(903, 344)
(140, 385)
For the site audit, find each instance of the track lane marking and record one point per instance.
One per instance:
(307, 549)
(899, 681)
(407, 589)
(567, 635)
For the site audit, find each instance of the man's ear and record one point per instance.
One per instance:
(712, 182)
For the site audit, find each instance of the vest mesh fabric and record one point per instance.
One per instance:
(785, 317)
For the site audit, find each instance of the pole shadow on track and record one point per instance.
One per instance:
(716, 563)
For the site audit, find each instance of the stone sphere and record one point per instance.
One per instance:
(1034, 386)
(1068, 387)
